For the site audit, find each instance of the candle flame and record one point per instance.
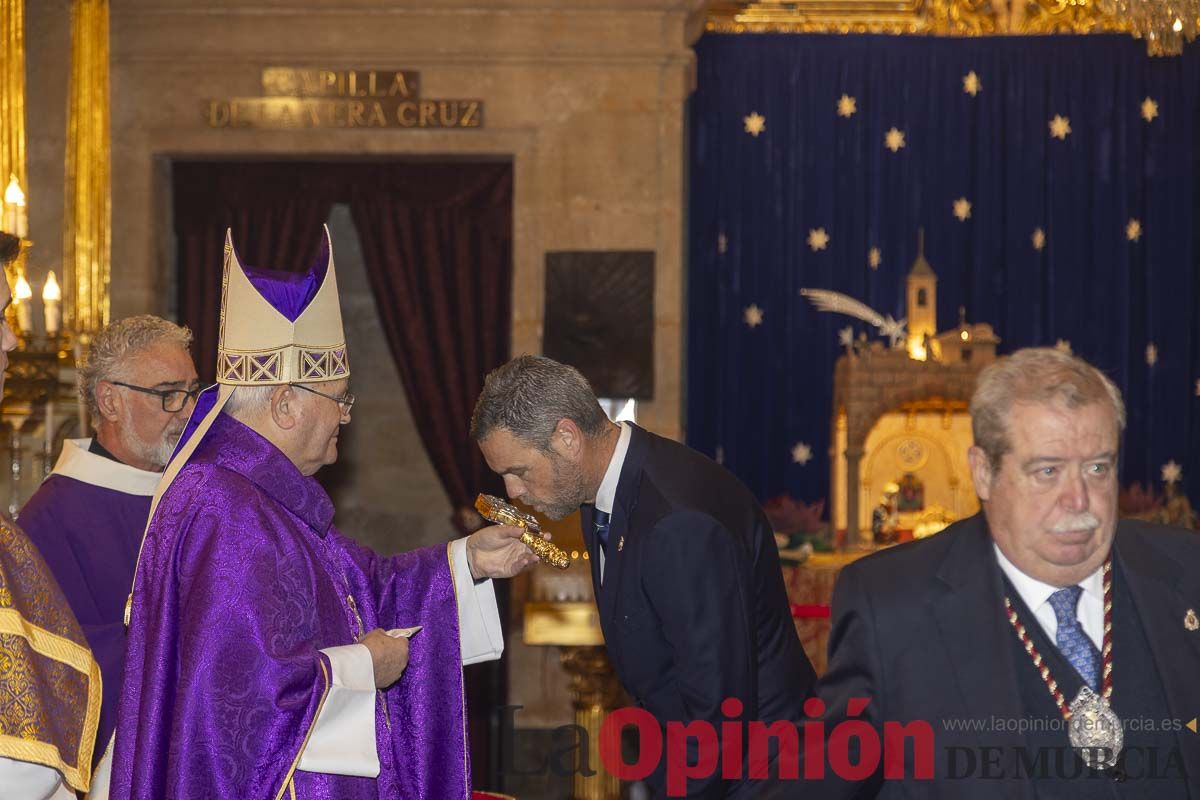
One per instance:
(23, 292)
(51, 291)
(13, 193)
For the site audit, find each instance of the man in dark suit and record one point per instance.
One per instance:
(991, 630)
(684, 563)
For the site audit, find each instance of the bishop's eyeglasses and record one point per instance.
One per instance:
(345, 402)
(173, 400)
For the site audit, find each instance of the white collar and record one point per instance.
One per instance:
(79, 463)
(606, 495)
(1034, 592)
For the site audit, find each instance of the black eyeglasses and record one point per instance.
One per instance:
(345, 402)
(173, 400)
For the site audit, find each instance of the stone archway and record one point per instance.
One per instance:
(872, 383)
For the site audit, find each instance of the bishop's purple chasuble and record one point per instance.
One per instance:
(242, 581)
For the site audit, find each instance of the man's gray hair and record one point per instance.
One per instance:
(1035, 375)
(247, 403)
(529, 395)
(118, 344)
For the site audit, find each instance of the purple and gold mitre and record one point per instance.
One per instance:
(280, 327)
(276, 328)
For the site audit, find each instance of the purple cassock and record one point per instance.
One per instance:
(87, 519)
(242, 582)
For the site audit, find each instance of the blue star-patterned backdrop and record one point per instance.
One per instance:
(1056, 180)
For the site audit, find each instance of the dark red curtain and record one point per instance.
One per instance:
(437, 243)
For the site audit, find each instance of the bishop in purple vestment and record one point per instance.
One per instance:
(264, 646)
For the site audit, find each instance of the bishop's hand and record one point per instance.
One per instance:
(389, 656)
(497, 552)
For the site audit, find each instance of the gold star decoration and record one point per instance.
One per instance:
(801, 453)
(818, 239)
(971, 83)
(1063, 346)
(756, 123)
(846, 106)
(962, 209)
(874, 258)
(1060, 127)
(1149, 109)
(1151, 354)
(893, 140)
(1133, 230)
(753, 316)
(1039, 238)
(1172, 472)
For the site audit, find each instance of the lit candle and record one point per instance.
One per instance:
(51, 295)
(16, 219)
(21, 299)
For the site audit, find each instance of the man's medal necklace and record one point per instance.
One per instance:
(1094, 729)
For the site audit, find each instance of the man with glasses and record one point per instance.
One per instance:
(87, 518)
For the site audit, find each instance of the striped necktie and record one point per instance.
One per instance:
(600, 521)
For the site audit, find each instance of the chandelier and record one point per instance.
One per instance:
(1165, 25)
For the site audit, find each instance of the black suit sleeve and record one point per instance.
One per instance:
(697, 583)
(854, 674)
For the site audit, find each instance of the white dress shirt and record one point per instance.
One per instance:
(1036, 596)
(606, 495)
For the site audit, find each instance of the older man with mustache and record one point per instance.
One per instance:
(1051, 648)
(87, 518)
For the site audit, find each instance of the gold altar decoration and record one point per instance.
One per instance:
(88, 224)
(1164, 24)
(39, 381)
(594, 693)
(12, 122)
(12, 92)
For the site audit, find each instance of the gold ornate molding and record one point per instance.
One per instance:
(1067, 16)
(931, 17)
(87, 229)
(12, 91)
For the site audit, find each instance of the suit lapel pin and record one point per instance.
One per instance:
(621, 546)
(1191, 621)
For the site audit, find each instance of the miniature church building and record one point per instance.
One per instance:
(922, 305)
(966, 343)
